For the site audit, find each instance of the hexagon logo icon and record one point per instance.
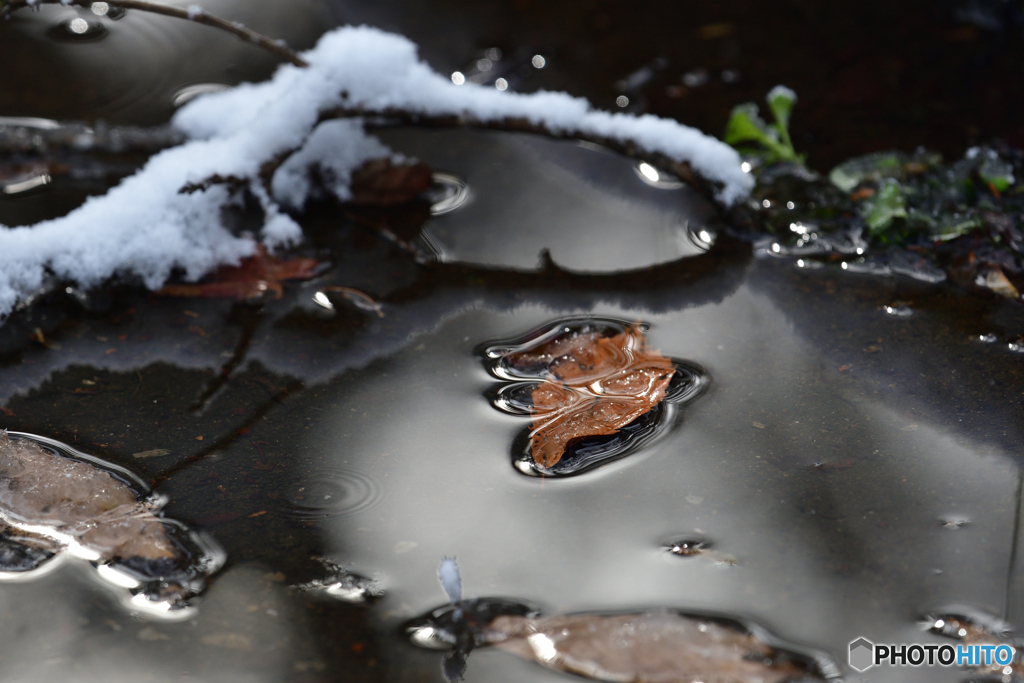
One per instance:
(862, 654)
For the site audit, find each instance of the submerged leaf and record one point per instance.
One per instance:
(596, 385)
(650, 647)
(50, 503)
(76, 500)
(380, 182)
(256, 275)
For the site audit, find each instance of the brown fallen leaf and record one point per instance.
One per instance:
(379, 182)
(649, 647)
(50, 503)
(595, 386)
(995, 280)
(256, 275)
(152, 453)
(77, 501)
(978, 629)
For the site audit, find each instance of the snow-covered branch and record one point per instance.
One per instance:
(146, 227)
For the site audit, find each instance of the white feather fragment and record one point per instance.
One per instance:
(451, 580)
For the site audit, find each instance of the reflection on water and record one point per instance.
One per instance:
(78, 29)
(70, 62)
(861, 467)
(521, 183)
(333, 493)
(827, 553)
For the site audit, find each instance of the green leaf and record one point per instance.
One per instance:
(997, 173)
(871, 167)
(888, 204)
(746, 125)
(951, 227)
(781, 101)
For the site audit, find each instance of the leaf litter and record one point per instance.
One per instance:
(252, 278)
(54, 500)
(594, 392)
(651, 646)
(648, 647)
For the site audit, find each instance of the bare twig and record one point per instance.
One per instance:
(193, 13)
(23, 135)
(399, 117)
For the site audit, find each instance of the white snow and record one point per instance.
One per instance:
(336, 148)
(144, 226)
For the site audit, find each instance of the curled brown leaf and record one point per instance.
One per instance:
(594, 386)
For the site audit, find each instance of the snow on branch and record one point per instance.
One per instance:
(269, 134)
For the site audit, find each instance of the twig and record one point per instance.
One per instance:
(192, 13)
(400, 117)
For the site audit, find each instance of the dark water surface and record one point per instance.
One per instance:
(835, 454)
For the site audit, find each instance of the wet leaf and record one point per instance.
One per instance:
(888, 204)
(592, 390)
(781, 101)
(869, 168)
(256, 275)
(50, 503)
(596, 385)
(649, 647)
(153, 453)
(380, 182)
(77, 500)
(995, 280)
(995, 172)
(977, 628)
